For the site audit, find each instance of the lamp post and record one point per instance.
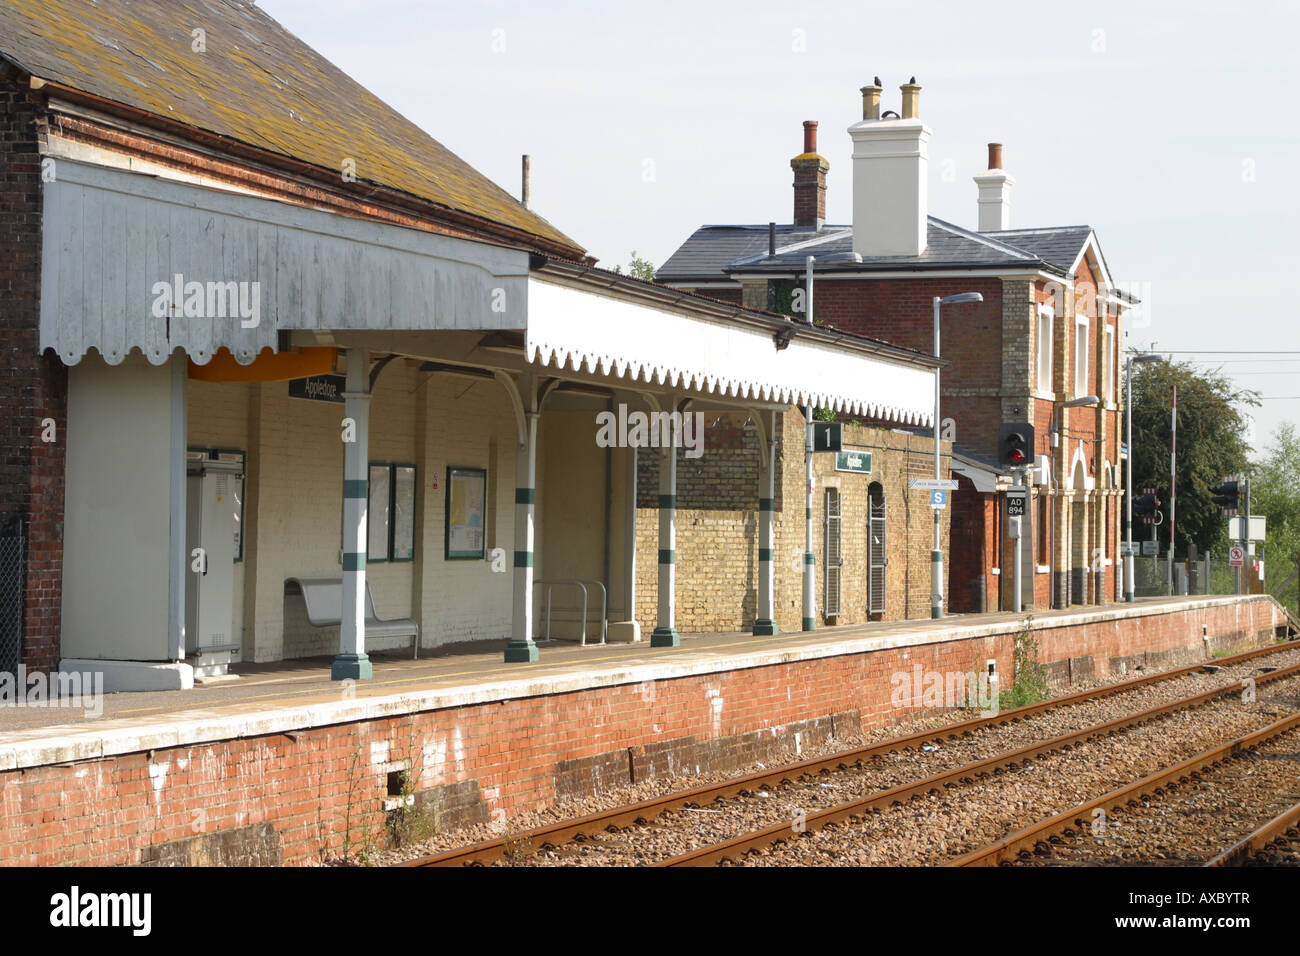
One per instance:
(936, 555)
(809, 559)
(1129, 589)
(809, 566)
(1054, 432)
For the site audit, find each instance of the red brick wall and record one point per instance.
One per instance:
(273, 798)
(32, 387)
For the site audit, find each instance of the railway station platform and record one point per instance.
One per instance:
(283, 764)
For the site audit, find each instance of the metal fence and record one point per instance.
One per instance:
(1209, 574)
(13, 553)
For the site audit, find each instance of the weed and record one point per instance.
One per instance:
(1029, 684)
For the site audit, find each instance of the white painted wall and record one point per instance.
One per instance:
(116, 521)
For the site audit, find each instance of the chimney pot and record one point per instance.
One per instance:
(871, 101)
(810, 136)
(995, 155)
(911, 100)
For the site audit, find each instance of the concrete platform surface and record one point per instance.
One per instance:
(288, 695)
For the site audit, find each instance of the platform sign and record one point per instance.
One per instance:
(1258, 527)
(1150, 549)
(828, 436)
(1236, 556)
(938, 498)
(858, 462)
(319, 388)
(1015, 504)
(929, 484)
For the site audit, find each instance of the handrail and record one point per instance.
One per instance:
(581, 584)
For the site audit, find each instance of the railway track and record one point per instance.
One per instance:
(1047, 838)
(512, 848)
(734, 850)
(1281, 832)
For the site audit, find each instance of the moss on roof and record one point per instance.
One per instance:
(256, 83)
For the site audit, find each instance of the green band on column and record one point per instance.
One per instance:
(354, 561)
(667, 556)
(808, 558)
(765, 554)
(525, 496)
(807, 512)
(355, 488)
(523, 559)
(667, 501)
(766, 504)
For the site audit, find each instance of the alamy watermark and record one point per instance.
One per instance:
(952, 690)
(209, 300)
(73, 690)
(651, 430)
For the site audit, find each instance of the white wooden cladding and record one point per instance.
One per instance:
(110, 235)
(572, 328)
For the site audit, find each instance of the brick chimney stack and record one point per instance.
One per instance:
(809, 181)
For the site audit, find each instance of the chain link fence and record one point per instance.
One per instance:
(13, 552)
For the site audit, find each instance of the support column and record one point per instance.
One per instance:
(178, 562)
(629, 513)
(522, 649)
(352, 661)
(1061, 507)
(665, 632)
(765, 616)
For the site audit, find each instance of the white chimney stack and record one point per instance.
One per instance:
(995, 193)
(890, 158)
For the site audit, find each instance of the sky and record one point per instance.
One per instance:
(1168, 127)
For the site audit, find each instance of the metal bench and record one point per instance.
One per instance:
(324, 600)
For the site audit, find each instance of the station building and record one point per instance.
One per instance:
(1041, 348)
(282, 367)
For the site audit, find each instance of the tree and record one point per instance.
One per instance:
(1211, 444)
(1275, 493)
(639, 268)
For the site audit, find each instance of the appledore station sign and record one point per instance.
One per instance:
(854, 461)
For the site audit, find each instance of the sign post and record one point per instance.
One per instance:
(1244, 539)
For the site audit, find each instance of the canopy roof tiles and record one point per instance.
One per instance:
(254, 82)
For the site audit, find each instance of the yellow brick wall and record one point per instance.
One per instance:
(717, 529)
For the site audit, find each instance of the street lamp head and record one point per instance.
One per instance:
(1146, 357)
(961, 298)
(1080, 402)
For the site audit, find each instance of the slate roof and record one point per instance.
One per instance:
(1059, 245)
(257, 83)
(713, 253)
